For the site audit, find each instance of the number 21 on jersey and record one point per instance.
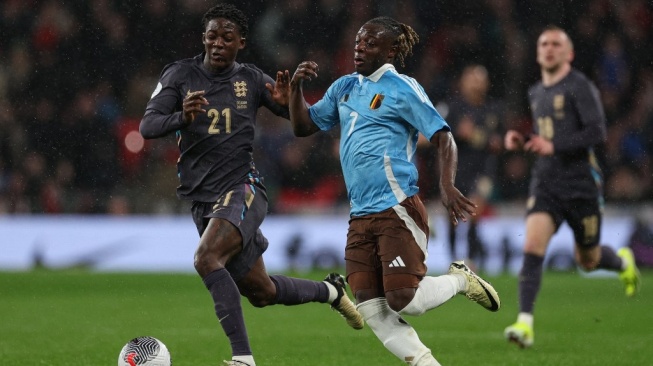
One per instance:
(214, 114)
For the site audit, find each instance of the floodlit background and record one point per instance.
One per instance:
(83, 196)
(75, 77)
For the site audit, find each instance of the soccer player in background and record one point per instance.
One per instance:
(210, 103)
(380, 113)
(566, 183)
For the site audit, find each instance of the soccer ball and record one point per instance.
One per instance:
(144, 351)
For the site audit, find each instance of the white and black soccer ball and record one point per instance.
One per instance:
(144, 351)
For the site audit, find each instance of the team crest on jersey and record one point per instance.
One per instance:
(240, 88)
(376, 101)
(559, 105)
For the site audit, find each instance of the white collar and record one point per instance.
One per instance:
(376, 75)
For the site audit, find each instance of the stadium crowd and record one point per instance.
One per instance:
(75, 78)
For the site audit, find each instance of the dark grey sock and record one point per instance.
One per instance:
(530, 279)
(609, 259)
(226, 298)
(295, 291)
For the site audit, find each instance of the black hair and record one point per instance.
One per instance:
(229, 12)
(406, 37)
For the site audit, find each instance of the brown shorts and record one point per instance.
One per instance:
(387, 251)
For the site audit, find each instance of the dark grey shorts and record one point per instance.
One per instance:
(245, 206)
(584, 216)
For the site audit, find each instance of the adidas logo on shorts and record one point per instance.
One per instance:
(397, 262)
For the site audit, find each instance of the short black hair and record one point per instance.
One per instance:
(229, 12)
(406, 37)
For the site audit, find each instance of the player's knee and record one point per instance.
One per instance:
(201, 261)
(588, 260)
(588, 264)
(261, 299)
(399, 299)
(210, 256)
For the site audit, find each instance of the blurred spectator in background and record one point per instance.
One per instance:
(74, 74)
(476, 122)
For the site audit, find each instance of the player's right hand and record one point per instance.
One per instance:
(280, 91)
(513, 140)
(192, 105)
(457, 205)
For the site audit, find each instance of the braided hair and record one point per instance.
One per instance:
(229, 12)
(406, 37)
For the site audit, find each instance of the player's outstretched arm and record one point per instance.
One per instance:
(458, 206)
(302, 123)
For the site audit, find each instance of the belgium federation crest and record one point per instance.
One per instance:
(240, 88)
(376, 101)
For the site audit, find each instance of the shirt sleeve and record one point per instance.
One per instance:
(268, 102)
(587, 104)
(163, 112)
(324, 113)
(417, 109)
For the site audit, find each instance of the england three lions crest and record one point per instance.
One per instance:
(240, 89)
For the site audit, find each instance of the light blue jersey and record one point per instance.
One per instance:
(380, 117)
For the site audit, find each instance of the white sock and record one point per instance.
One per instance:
(333, 292)
(525, 318)
(395, 333)
(248, 359)
(427, 360)
(433, 292)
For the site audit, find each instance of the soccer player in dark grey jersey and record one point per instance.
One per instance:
(210, 103)
(476, 123)
(566, 181)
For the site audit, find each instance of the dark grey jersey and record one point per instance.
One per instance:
(570, 115)
(475, 157)
(216, 148)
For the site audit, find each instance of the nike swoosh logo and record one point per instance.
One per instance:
(495, 306)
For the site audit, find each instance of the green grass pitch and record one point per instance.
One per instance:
(84, 318)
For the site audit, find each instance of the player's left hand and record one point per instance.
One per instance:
(539, 145)
(458, 206)
(306, 70)
(280, 91)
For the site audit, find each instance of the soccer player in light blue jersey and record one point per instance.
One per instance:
(380, 113)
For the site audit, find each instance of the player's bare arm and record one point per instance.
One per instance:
(280, 91)
(299, 117)
(458, 206)
(192, 105)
